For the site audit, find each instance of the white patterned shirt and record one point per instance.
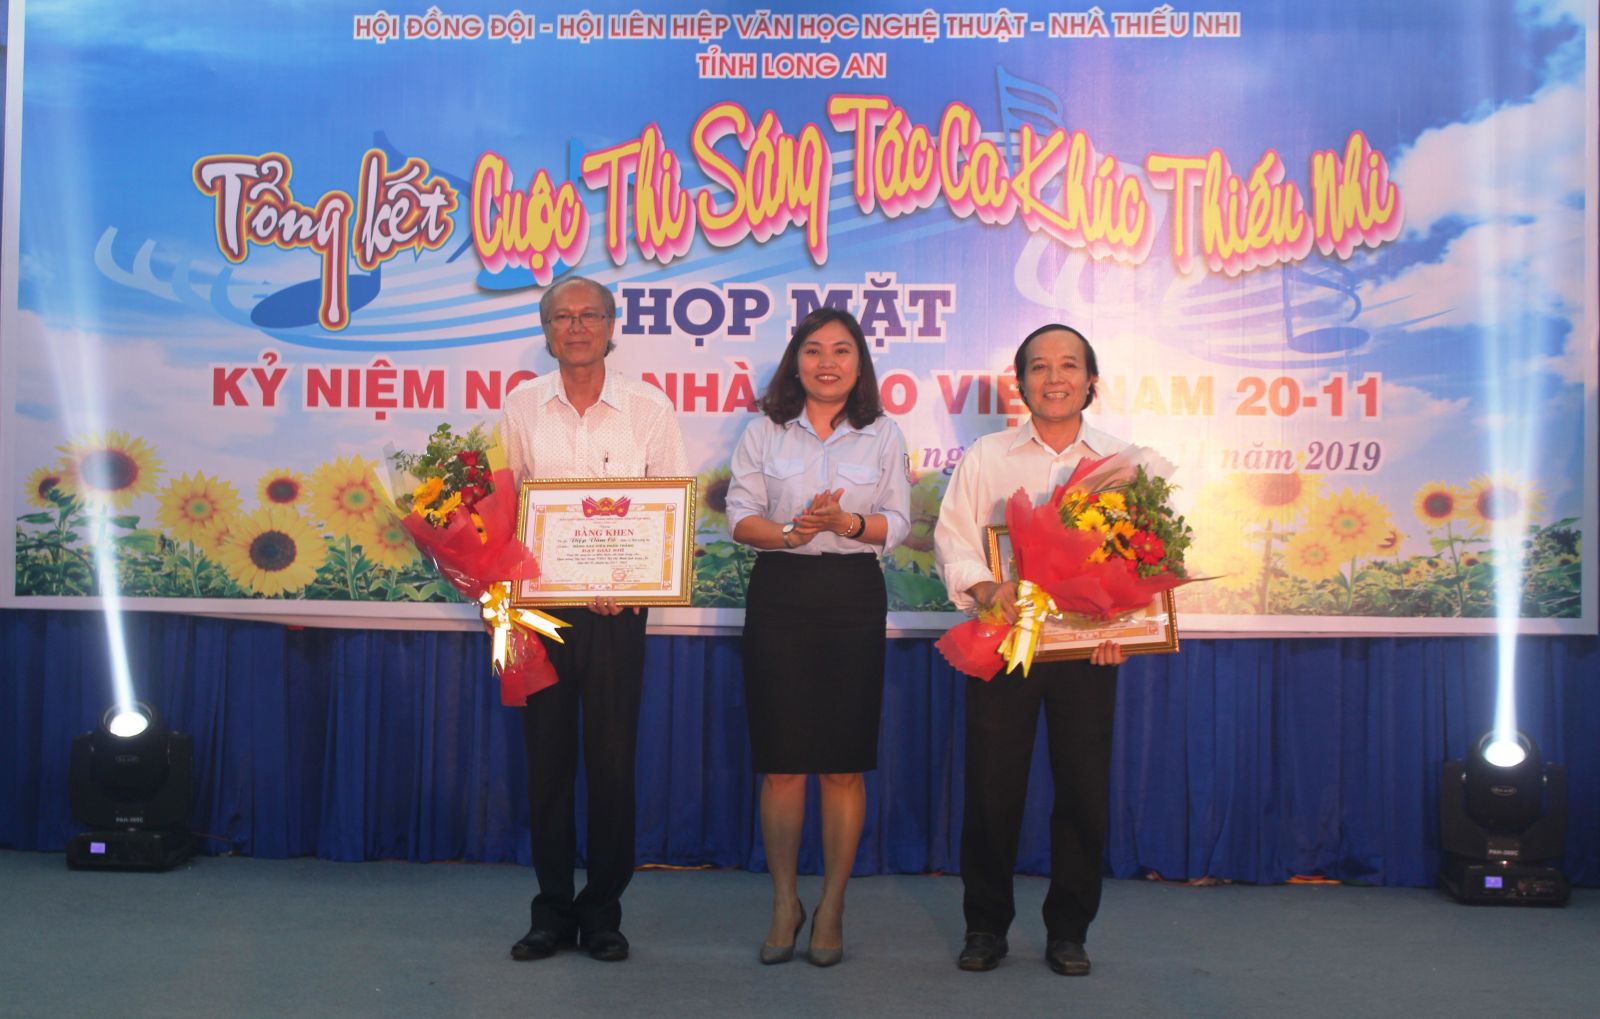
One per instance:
(989, 472)
(630, 432)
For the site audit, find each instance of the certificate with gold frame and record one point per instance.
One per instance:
(631, 539)
(1152, 630)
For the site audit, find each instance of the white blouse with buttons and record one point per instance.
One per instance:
(778, 469)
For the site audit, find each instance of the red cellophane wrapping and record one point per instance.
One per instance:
(472, 563)
(1056, 558)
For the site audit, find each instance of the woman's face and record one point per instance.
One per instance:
(829, 364)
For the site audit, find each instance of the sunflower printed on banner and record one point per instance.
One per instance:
(40, 483)
(194, 506)
(108, 470)
(282, 487)
(204, 541)
(273, 551)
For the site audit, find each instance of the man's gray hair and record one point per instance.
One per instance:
(549, 299)
(555, 288)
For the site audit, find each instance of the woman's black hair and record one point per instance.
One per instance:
(1020, 361)
(785, 397)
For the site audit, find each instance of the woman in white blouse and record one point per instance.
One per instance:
(820, 486)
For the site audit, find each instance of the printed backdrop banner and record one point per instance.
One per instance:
(1337, 258)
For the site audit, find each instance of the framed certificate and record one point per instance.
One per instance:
(625, 538)
(1150, 631)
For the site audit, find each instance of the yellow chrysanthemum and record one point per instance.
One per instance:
(282, 487)
(1113, 502)
(1437, 503)
(194, 505)
(1355, 523)
(427, 493)
(387, 542)
(1092, 519)
(440, 514)
(344, 496)
(110, 470)
(40, 482)
(1274, 498)
(1312, 555)
(273, 551)
(1492, 500)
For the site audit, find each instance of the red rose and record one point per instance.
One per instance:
(468, 457)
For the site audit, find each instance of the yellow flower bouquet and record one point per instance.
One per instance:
(463, 514)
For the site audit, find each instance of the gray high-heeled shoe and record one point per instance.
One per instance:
(823, 956)
(771, 955)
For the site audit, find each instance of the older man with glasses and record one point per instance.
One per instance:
(584, 421)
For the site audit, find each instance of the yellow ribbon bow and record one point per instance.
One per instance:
(1034, 606)
(499, 616)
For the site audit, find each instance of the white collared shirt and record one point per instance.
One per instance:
(630, 432)
(777, 469)
(990, 471)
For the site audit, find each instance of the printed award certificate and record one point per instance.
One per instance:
(1151, 630)
(625, 538)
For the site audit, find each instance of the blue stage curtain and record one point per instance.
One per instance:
(1252, 760)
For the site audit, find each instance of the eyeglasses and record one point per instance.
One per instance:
(588, 319)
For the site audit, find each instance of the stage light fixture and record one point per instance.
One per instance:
(131, 784)
(1502, 821)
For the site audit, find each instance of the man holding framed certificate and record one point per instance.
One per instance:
(585, 422)
(1056, 374)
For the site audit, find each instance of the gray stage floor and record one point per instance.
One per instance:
(241, 937)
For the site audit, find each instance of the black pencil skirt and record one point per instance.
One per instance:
(813, 662)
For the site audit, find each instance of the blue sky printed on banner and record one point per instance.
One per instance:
(1479, 315)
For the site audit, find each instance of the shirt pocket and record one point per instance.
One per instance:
(787, 491)
(784, 468)
(629, 464)
(860, 483)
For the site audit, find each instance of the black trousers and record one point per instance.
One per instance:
(601, 666)
(1079, 703)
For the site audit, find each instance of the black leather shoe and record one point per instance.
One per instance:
(1067, 958)
(541, 943)
(982, 952)
(606, 946)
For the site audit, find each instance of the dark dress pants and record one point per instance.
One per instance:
(1079, 703)
(601, 668)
